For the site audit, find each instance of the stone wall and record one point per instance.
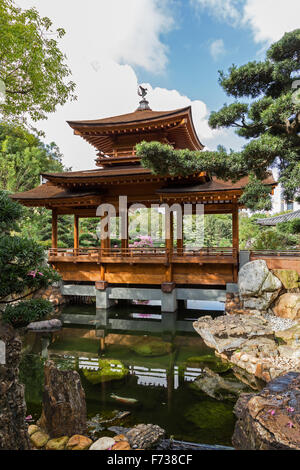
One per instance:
(13, 430)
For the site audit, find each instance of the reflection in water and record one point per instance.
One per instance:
(153, 373)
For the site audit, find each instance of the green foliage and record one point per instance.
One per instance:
(267, 89)
(248, 229)
(10, 213)
(27, 311)
(32, 68)
(22, 264)
(291, 227)
(270, 239)
(23, 157)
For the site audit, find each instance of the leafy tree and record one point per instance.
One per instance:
(268, 115)
(22, 266)
(271, 239)
(23, 157)
(292, 226)
(33, 71)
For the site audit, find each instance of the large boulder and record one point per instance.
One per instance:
(13, 429)
(270, 420)
(64, 406)
(288, 277)
(228, 333)
(288, 306)
(248, 342)
(258, 287)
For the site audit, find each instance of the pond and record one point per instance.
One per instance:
(134, 372)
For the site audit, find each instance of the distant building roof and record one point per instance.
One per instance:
(271, 221)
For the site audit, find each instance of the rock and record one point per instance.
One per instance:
(247, 342)
(289, 352)
(288, 306)
(78, 442)
(64, 406)
(57, 444)
(145, 436)
(109, 370)
(271, 284)
(45, 326)
(13, 429)
(32, 429)
(251, 278)
(291, 336)
(258, 287)
(270, 420)
(121, 445)
(288, 277)
(228, 333)
(104, 443)
(217, 387)
(261, 303)
(120, 437)
(151, 347)
(39, 439)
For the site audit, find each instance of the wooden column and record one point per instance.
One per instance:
(180, 240)
(170, 246)
(124, 241)
(235, 238)
(76, 232)
(54, 228)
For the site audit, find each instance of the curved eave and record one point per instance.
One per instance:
(98, 133)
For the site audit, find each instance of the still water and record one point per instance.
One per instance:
(135, 369)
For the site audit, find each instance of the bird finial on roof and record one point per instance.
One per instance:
(144, 104)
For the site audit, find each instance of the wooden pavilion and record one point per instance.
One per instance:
(118, 173)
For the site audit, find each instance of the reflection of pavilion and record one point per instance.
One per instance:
(146, 376)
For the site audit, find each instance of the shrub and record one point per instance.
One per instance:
(270, 239)
(27, 311)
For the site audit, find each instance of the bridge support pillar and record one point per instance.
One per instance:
(168, 298)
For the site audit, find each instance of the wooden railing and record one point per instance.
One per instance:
(143, 253)
(280, 253)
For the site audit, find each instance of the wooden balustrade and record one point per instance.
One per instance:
(144, 254)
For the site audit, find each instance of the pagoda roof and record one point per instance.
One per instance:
(177, 124)
(271, 221)
(214, 185)
(49, 192)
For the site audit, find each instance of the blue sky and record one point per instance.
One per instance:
(175, 47)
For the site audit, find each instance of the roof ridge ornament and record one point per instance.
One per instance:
(144, 104)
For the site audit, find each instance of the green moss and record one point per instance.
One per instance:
(109, 370)
(152, 347)
(215, 364)
(210, 415)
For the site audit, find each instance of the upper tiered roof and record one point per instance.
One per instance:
(115, 137)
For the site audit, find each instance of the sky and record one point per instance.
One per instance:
(174, 47)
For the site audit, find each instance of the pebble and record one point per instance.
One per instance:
(279, 324)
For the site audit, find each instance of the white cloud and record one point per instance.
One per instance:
(217, 49)
(270, 19)
(105, 40)
(220, 9)
(124, 31)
